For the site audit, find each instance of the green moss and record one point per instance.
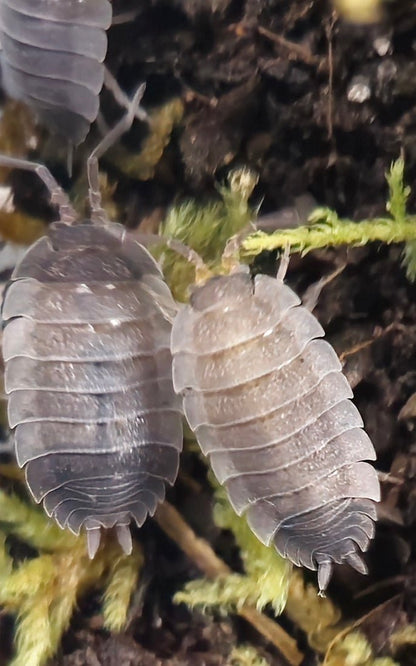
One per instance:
(353, 649)
(246, 655)
(42, 592)
(206, 229)
(266, 578)
(122, 580)
(142, 165)
(325, 228)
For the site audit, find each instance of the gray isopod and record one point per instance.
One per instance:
(271, 408)
(97, 425)
(52, 59)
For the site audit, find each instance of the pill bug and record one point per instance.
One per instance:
(271, 408)
(52, 59)
(88, 371)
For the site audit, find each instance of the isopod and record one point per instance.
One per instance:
(52, 59)
(88, 369)
(270, 407)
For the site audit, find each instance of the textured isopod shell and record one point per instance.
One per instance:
(271, 408)
(97, 424)
(52, 59)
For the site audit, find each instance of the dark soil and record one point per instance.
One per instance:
(316, 106)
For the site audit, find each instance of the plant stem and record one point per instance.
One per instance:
(327, 229)
(201, 553)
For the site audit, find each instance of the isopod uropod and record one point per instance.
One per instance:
(271, 408)
(97, 425)
(52, 59)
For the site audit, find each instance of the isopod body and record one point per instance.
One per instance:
(271, 408)
(52, 59)
(97, 425)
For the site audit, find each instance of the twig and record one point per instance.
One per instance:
(364, 344)
(201, 553)
(295, 50)
(329, 35)
(197, 549)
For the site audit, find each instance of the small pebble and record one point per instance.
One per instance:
(382, 45)
(359, 90)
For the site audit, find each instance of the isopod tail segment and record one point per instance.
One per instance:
(93, 532)
(326, 567)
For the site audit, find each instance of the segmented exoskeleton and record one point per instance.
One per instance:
(271, 408)
(52, 59)
(97, 425)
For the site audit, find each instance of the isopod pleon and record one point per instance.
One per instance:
(97, 425)
(52, 59)
(271, 409)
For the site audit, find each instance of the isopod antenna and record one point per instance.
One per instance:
(58, 197)
(98, 214)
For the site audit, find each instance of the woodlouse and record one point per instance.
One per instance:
(271, 408)
(86, 344)
(52, 59)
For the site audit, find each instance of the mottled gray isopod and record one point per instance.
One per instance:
(271, 408)
(97, 425)
(52, 59)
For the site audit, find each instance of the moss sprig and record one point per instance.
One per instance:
(246, 655)
(325, 228)
(42, 592)
(265, 581)
(122, 580)
(353, 649)
(206, 229)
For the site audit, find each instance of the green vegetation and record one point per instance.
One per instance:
(266, 577)
(246, 655)
(43, 591)
(326, 229)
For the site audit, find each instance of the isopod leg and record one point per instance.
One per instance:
(58, 196)
(202, 272)
(313, 292)
(325, 567)
(97, 212)
(120, 96)
(230, 257)
(284, 264)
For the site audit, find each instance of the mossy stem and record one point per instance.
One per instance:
(328, 230)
